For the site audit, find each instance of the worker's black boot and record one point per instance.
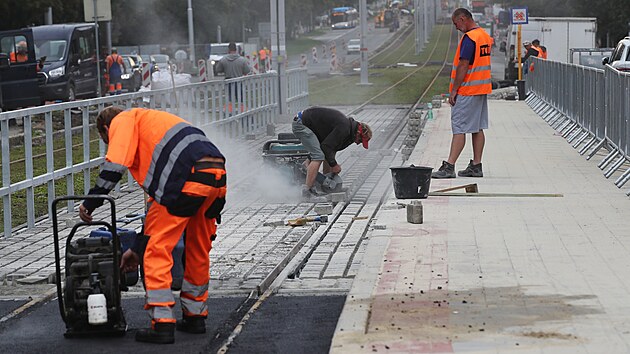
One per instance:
(192, 324)
(161, 333)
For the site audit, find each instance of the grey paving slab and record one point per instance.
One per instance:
(496, 275)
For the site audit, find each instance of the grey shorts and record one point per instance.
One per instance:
(469, 114)
(309, 140)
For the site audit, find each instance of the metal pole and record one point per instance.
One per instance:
(282, 60)
(48, 18)
(425, 13)
(219, 34)
(364, 52)
(191, 33)
(108, 30)
(98, 53)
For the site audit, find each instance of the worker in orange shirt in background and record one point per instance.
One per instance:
(114, 68)
(262, 55)
(184, 175)
(21, 53)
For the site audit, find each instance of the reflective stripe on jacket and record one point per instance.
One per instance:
(158, 148)
(477, 80)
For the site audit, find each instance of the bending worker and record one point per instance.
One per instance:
(184, 175)
(323, 132)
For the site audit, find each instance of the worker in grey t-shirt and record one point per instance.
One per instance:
(234, 65)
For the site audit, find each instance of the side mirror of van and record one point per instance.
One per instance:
(605, 61)
(4, 60)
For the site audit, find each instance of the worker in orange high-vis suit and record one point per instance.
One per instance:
(114, 68)
(470, 84)
(21, 53)
(184, 175)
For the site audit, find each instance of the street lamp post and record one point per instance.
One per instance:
(191, 33)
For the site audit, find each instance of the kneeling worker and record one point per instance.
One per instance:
(323, 132)
(184, 174)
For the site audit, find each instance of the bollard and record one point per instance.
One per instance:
(314, 55)
(414, 212)
(146, 75)
(202, 70)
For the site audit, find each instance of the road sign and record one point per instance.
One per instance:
(103, 10)
(519, 15)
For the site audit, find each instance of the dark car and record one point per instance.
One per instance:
(132, 77)
(70, 68)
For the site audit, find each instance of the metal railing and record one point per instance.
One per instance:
(57, 146)
(589, 106)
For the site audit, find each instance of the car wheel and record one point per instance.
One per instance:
(70, 93)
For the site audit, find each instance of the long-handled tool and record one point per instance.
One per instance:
(298, 221)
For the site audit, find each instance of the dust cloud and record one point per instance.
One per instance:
(250, 178)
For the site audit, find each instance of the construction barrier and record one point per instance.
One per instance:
(324, 51)
(333, 63)
(343, 44)
(314, 55)
(253, 64)
(146, 75)
(303, 60)
(202, 70)
(210, 69)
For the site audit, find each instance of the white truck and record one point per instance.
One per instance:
(557, 34)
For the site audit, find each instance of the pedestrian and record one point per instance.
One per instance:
(542, 50)
(233, 65)
(114, 68)
(262, 55)
(184, 175)
(530, 51)
(324, 131)
(470, 84)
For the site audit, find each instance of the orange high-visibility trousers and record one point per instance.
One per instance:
(164, 230)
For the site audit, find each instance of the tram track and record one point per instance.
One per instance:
(364, 199)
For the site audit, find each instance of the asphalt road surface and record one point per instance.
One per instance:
(284, 323)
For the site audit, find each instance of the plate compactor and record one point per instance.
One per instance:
(287, 154)
(90, 302)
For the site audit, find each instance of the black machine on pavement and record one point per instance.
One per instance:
(288, 155)
(90, 302)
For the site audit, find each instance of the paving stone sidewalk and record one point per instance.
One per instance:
(498, 274)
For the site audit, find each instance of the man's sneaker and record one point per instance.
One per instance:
(471, 171)
(446, 171)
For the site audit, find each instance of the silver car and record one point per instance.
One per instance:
(354, 46)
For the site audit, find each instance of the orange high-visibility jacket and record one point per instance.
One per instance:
(540, 55)
(477, 79)
(17, 57)
(158, 148)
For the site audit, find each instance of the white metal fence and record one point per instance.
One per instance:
(47, 150)
(590, 107)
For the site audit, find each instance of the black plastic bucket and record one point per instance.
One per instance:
(411, 182)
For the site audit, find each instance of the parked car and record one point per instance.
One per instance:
(354, 46)
(132, 78)
(52, 62)
(620, 57)
(162, 61)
